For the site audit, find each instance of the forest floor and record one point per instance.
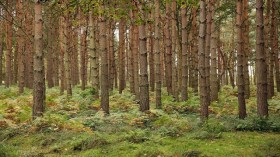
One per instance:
(75, 126)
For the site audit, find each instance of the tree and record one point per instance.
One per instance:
(184, 54)
(157, 55)
(202, 67)
(261, 70)
(213, 48)
(104, 82)
(240, 62)
(122, 55)
(168, 50)
(9, 35)
(39, 78)
(1, 48)
(144, 81)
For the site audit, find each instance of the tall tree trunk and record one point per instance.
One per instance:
(213, 47)
(130, 57)
(50, 63)
(150, 51)
(157, 55)
(240, 62)
(276, 45)
(20, 47)
(62, 52)
(1, 49)
(202, 68)
(246, 47)
(195, 50)
(136, 58)
(261, 70)
(93, 54)
(104, 64)
(121, 55)
(173, 50)
(39, 78)
(144, 81)
(168, 49)
(184, 54)
(67, 39)
(208, 48)
(9, 35)
(83, 57)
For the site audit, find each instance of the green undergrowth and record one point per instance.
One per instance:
(76, 126)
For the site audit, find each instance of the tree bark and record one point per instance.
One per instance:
(121, 55)
(168, 49)
(261, 70)
(157, 55)
(104, 64)
(213, 46)
(240, 62)
(39, 78)
(9, 35)
(184, 54)
(202, 66)
(144, 81)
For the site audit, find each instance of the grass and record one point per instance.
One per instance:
(75, 126)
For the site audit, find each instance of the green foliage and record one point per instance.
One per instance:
(7, 151)
(259, 124)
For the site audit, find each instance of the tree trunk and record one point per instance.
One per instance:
(67, 54)
(9, 35)
(62, 52)
(144, 81)
(168, 49)
(157, 55)
(121, 55)
(39, 80)
(240, 62)
(184, 54)
(135, 58)
(246, 47)
(130, 57)
(93, 54)
(261, 70)
(276, 45)
(213, 47)
(202, 68)
(1, 49)
(104, 64)
(173, 51)
(20, 48)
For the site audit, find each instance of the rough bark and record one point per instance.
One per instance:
(104, 82)
(240, 62)
(39, 80)
(144, 81)
(168, 53)
(261, 70)
(213, 47)
(157, 55)
(121, 55)
(202, 68)
(67, 56)
(9, 34)
(246, 47)
(184, 55)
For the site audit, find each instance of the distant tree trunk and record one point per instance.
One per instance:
(39, 80)
(184, 54)
(83, 57)
(270, 87)
(202, 68)
(194, 50)
(67, 39)
(174, 53)
(29, 48)
(9, 35)
(112, 64)
(261, 70)
(240, 62)
(50, 63)
(136, 58)
(104, 64)
(62, 52)
(1, 49)
(20, 48)
(246, 47)
(168, 49)
(157, 55)
(121, 55)
(213, 46)
(130, 57)
(274, 48)
(150, 52)
(276, 45)
(208, 48)
(144, 81)
(93, 54)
